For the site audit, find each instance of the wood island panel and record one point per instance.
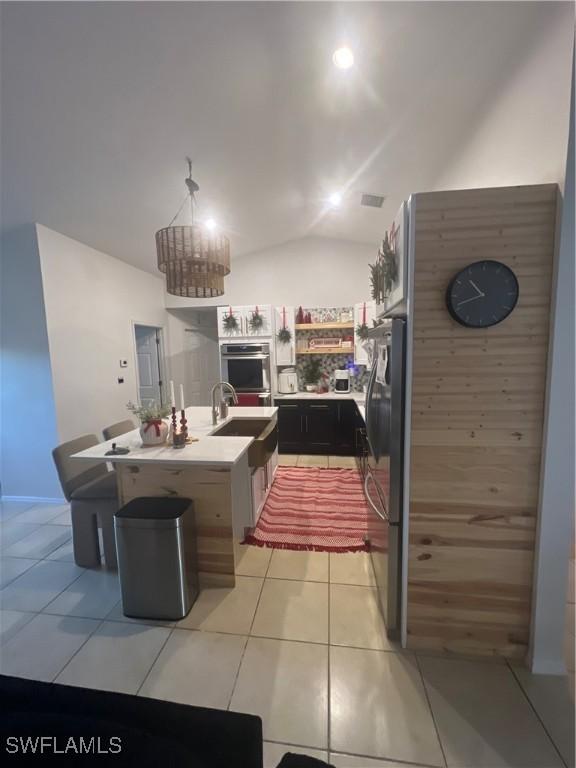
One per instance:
(477, 414)
(211, 491)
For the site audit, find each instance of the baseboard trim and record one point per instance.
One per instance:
(34, 499)
(548, 667)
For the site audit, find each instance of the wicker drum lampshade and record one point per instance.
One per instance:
(194, 260)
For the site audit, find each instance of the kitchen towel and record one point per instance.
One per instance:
(249, 399)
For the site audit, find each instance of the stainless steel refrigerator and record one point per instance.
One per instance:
(384, 478)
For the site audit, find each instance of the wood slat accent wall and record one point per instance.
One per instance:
(211, 490)
(477, 419)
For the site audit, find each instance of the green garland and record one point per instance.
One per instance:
(230, 322)
(284, 336)
(384, 272)
(362, 331)
(256, 321)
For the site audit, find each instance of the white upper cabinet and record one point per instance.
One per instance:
(225, 328)
(364, 313)
(263, 324)
(285, 350)
(245, 327)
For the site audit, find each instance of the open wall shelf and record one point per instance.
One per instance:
(323, 326)
(327, 351)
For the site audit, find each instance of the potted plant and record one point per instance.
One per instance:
(312, 373)
(153, 430)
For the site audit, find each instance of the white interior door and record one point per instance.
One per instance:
(148, 357)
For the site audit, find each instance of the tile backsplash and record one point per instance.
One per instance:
(329, 314)
(329, 363)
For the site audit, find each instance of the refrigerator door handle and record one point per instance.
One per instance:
(369, 393)
(381, 515)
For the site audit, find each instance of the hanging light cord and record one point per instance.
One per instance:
(192, 189)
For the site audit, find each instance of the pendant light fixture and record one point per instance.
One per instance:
(193, 257)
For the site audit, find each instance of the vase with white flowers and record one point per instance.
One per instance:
(153, 429)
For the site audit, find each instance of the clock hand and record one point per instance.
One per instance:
(473, 284)
(467, 300)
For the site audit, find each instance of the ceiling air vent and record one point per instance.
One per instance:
(372, 201)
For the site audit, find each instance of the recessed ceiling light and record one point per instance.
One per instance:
(210, 224)
(343, 58)
(335, 199)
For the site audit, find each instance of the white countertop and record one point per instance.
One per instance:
(207, 451)
(359, 397)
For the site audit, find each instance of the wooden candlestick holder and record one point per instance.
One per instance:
(179, 434)
(179, 440)
(174, 421)
(183, 423)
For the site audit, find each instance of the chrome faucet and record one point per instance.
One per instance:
(222, 411)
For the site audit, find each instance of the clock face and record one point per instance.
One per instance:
(483, 294)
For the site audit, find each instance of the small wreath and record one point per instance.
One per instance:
(362, 331)
(284, 335)
(256, 321)
(230, 322)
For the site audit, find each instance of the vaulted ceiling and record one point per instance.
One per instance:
(101, 102)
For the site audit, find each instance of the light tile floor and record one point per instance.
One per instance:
(299, 641)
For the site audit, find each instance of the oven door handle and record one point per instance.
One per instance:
(381, 515)
(245, 357)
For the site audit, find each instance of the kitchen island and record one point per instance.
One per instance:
(214, 471)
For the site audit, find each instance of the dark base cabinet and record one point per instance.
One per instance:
(322, 426)
(289, 427)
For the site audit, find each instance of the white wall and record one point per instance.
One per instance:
(557, 501)
(522, 134)
(91, 301)
(66, 322)
(314, 272)
(27, 405)
(194, 360)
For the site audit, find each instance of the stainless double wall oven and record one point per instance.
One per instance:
(247, 367)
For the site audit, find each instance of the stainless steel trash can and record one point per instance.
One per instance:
(157, 562)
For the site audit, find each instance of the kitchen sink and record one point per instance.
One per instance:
(265, 432)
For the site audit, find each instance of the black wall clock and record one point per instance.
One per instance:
(483, 294)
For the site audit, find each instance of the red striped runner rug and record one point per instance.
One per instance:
(309, 508)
